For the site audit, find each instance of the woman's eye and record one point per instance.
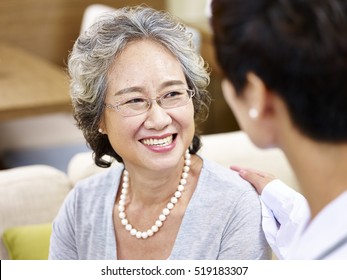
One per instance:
(172, 94)
(134, 100)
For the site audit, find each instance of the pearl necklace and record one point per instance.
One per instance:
(165, 212)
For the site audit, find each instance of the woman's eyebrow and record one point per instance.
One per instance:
(129, 90)
(141, 90)
(172, 83)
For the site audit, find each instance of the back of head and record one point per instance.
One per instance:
(298, 48)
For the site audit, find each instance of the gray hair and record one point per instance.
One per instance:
(95, 51)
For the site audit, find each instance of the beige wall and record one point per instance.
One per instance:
(188, 10)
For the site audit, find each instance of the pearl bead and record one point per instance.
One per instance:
(174, 200)
(138, 234)
(158, 223)
(162, 218)
(128, 227)
(121, 215)
(178, 194)
(170, 206)
(124, 222)
(181, 188)
(121, 208)
(144, 235)
(133, 231)
(186, 169)
(150, 232)
(166, 211)
(183, 182)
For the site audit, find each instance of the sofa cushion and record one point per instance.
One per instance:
(29, 242)
(30, 195)
(235, 148)
(82, 166)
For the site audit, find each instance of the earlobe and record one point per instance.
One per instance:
(102, 129)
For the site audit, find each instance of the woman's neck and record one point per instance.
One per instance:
(151, 187)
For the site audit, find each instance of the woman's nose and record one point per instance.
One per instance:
(157, 117)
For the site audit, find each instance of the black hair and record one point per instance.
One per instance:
(298, 48)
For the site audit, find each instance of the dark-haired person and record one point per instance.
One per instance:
(285, 64)
(138, 87)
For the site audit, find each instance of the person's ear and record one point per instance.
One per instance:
(256, 96)
(102, 128)
(262, 109)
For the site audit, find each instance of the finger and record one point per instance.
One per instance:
(236, 168)
(259, 173)
(255, 171)
(259, 181)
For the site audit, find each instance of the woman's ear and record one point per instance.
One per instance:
(102, 128)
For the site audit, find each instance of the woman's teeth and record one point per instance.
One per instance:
(157, 142)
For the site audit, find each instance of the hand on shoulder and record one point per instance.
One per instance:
(258, 179)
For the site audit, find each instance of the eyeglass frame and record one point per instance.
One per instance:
(150, 101)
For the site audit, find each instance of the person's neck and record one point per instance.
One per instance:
(150, 187)
(320, 169)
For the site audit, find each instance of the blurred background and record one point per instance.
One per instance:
(36, 125)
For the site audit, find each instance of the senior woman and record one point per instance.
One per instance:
(138, 87)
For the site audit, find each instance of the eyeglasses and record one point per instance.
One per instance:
(137, 105)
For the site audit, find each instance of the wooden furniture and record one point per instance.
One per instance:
(29, 85)
(48, 28)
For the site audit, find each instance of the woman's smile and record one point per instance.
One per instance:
(157, 141)
(160, 144)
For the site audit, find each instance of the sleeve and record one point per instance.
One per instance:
(284, 211)
(243, 235)
(63, 239)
